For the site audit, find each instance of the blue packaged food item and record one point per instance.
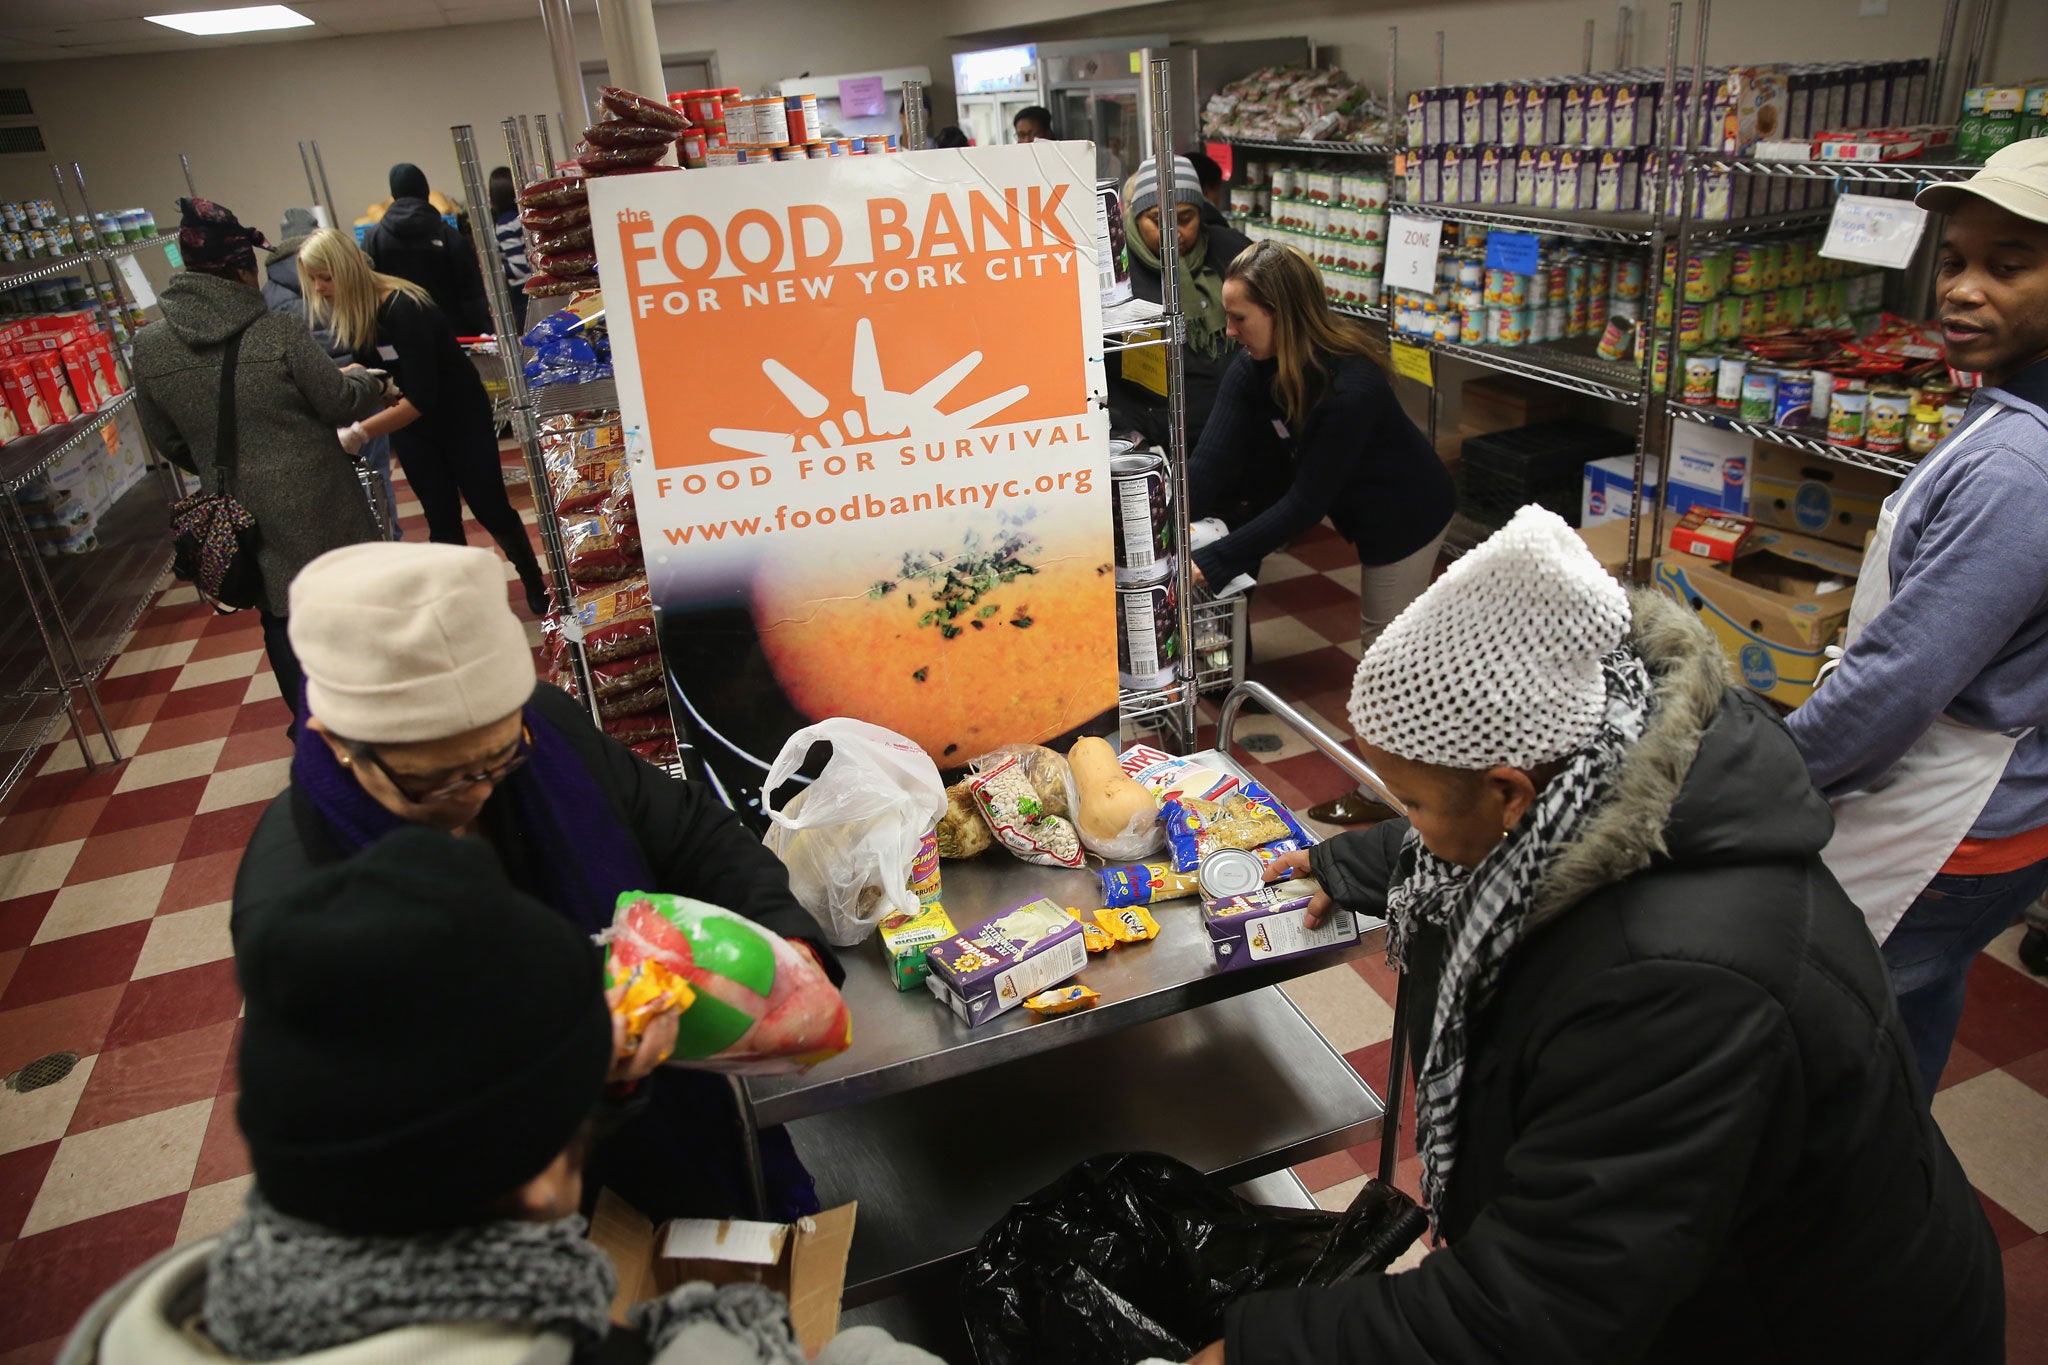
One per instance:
(570, 374)
(553, 327)
(1144, 884)
(568, 350)
(1250, 817)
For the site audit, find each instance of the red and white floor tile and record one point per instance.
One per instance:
(114, 893)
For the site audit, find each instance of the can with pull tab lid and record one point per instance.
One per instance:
(1230, 872)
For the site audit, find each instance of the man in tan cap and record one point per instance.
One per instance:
(423, 708)
(1931, 739)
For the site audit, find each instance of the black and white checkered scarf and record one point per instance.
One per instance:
(1485, 910)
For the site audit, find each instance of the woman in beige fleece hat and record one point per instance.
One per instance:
(424, 709)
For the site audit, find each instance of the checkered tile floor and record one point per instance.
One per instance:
(114, 891)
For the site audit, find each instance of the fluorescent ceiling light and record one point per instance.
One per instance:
(209, 22)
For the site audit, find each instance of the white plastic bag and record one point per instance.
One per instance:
(849, 838)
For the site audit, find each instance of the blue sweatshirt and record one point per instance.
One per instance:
(1966, 633)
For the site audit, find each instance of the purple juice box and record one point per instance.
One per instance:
(1269, 924)
(993, 969)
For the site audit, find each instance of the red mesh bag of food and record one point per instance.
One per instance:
(615, 133)
(560, 192)
(640, 109)
(541, 221)
(600, 160)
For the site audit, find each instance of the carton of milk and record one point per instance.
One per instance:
(1610, 488)
(1708, 468)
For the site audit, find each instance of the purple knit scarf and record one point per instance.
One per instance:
(583, 853)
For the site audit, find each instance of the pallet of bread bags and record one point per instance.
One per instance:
(592, 492)
(631, 138)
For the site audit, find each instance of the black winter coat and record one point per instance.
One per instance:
(693, 845)
(414, 242)
(1691, 1127)
(1134, 407)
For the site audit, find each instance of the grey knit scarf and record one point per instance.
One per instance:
(1486, 909)
(279, 1287)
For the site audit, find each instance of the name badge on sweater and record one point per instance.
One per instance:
(1280, 428)
(391, 353)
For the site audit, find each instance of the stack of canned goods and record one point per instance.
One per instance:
(1337, 220)
(1577, 290)
(734, 130)
(34, 230)
(1879, 416)
(1147, 620)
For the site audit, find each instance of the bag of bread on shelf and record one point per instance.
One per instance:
(851, 838)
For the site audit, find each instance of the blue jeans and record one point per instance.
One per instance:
(1931, 950)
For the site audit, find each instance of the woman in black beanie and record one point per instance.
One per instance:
(393, 1213)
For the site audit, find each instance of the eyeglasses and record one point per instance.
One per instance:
(409, 787)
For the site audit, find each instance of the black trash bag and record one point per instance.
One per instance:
(1136, 1255)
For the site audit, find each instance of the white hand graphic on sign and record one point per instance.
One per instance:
(887, 413)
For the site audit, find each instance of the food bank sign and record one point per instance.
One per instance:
(870, 476)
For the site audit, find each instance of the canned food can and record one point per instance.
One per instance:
(1793, 406)
(924, 870)
(1515, 326)
(1823, 392)
(1728, 381)
(1472, 273)
(1144, 522)
(1628, 278)
(1147, 635)
(1113, 264)
(1691, 326)
(1230, 872)
(1952, 413)
(1618, 340)
(1471, 321)
(1884, 420)
(1742, 268)
(1700, 373)
(1575, 276)
(1846, 410)
(1577, 314)
(1759, 395)
(878, 145)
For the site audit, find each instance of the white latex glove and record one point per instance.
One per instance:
(352, 437)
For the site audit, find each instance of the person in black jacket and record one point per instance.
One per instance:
(1306, 425)
(1666, 1108)
(424, 710)
(414, 242)
(442, 431)
(1137, 400)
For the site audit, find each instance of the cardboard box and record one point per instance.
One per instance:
(48, 369)
(1609, 543)
(1794, 492)
(1609, 491)
(1006, 961)
(1708, 468)
(1775, 610)
(1270, 924)
(24, 398)
(904, 939)
(804, 1261)
(1710, 535)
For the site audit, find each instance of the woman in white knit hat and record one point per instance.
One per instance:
(1665, 1106)
(424, 709)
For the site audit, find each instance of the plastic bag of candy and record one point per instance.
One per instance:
(759, 1005)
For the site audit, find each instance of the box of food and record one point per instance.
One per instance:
(1795, 492)
(904, 939)
(48, 369)
(1775, 610)
(1000, 965)
(1710, 535)
(1608, 491)
(1271, 923)
(1707, 467)
(24, 398)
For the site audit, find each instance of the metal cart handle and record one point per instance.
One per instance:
(1356, 767)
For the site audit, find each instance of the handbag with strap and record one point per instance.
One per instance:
(214, 536)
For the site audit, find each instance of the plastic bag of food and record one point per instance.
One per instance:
(621, 677)
(642, 727)
(548, 286)
(542, 221)
(562, 240)
(1049, 774)
(557, 193)
(758, 1006)
(582, 485)
(850, 838)
(649, 700)
(619, 133)
(601, 160)
(962, 833)
(573, 264)
(1249, 817)
(640, 109)
(600, 550)
(622, 637)
(1019, 816)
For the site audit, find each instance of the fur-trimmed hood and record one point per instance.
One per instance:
(1713, 775)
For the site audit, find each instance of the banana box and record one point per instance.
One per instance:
(1775, 609)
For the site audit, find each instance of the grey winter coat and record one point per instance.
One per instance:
(290, 471)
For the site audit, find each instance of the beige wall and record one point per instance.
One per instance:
(239, 112)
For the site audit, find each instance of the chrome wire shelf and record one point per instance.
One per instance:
(1379, 150)
(1630, 229)
(1556, 363)
(28, 457)
(1879, 172)
(560, 400)
(1807, 440)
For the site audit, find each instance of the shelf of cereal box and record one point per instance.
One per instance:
(1868, 172)
(23, 459)
(1569, 365)
(1291, 1098)
(1630, 228)
(908, 1039)
(1808, 440)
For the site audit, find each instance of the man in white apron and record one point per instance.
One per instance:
(1931, 739)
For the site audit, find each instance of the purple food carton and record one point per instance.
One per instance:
(1270, 924)
(998, 966)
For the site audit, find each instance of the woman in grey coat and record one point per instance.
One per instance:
(290, 469)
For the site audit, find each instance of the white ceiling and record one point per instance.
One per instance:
(41, 30)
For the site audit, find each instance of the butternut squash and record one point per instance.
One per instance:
(1113, 807)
